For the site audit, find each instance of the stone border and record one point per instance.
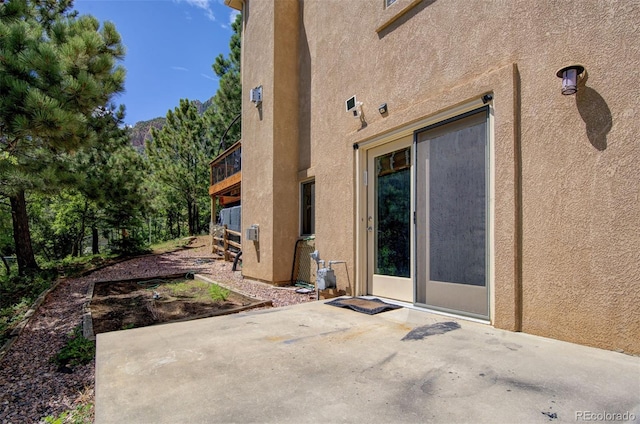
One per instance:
(87, 320)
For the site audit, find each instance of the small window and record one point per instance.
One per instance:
(388, 3)
(308, 208)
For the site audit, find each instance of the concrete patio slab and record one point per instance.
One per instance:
(315, 363)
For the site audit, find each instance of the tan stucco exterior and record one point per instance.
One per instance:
(565, 211)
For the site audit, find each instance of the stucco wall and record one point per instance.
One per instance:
(566, 233)
(270, 138)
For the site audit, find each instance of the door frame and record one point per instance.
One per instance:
(360, 165)
(386, 283)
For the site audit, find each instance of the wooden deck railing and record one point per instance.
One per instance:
(222, 244)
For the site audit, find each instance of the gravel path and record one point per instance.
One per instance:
(30, 385)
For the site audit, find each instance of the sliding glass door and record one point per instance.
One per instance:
(451, 215)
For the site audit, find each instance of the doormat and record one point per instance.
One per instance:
(366, 306)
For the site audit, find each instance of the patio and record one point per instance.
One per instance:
(313, 363)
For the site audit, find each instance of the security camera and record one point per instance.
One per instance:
(353, 106)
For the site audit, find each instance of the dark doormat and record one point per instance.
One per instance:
(366, 306)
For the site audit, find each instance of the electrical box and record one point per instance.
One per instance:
(325, 279)
(252, 233)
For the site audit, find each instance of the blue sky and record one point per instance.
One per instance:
(171, 45)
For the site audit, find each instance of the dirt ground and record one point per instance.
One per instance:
(122, 305)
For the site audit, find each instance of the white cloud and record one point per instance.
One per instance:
(232, 19)
(201, 4)
(209, 77)
(179, 68)
(232, 16)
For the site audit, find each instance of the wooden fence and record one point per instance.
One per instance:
(224, 246)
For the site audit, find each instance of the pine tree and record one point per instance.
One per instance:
(55, 69)
(227, 102)
(109, 176)
(179, 155)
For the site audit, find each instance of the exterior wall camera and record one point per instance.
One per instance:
(353, 106)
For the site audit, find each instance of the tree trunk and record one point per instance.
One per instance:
(190, 217)
(196, 218)
(78, 247)
(170, 224)
(193, 217)
(21, 235)
(95, 247)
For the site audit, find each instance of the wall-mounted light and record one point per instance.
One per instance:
(383, 109)
(255, 95)
(569, 75)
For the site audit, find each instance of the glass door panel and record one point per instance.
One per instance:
(393, 213)
(389, 221)
(451, 215)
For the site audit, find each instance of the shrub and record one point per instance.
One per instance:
(17, 294)
(133, 244)
(80, 415)
(218, 293)
(77, 350)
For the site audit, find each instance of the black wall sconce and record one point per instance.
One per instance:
(383, 109)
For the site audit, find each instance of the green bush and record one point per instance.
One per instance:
(17, 294)
(77, 350)
(73, 266)
(14, 288)
(218, 293)
(10, 316)
(133, 244)
(80, 415)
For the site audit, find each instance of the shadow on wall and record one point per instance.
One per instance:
(596, 115)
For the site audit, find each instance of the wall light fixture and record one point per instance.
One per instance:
(255, 95)
(569, 75)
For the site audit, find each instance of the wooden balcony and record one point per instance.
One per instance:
(226, 175)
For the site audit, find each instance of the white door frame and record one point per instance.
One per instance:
(360, 218)
(392, 287)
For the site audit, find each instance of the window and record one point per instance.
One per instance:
(308, 208)
(393, 11)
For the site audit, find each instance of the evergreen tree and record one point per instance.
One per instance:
(227, 102)
(109, 176)
(179, 155)
(56, 69)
